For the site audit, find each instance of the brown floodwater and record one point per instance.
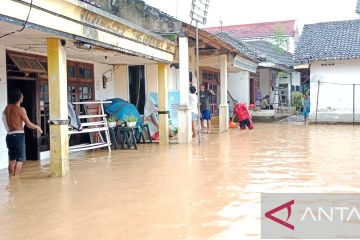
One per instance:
(180, 192)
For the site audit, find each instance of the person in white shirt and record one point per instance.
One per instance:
(193, 102)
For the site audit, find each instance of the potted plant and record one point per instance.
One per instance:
(112, 121)
(131, 121)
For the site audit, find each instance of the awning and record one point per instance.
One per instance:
(245, 65)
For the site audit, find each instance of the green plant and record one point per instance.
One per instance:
(297, 100)
(280, 39)
(281, 75)
(112, 118)
(131, 119)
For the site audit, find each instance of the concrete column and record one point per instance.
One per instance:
(223, 108)
(184, 111)
(193, 65)
(3, 102)
(59, 141)
(163, 104)
(277, 92)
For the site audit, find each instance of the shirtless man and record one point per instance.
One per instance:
(14, 118)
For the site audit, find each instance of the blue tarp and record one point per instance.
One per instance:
(121, 109)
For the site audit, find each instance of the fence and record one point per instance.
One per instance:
(336, 102)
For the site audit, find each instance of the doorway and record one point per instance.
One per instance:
(28, 88)
(137, 87)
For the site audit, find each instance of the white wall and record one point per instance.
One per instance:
(173, 79)
(296, 78)
(121, 82)
(239, 86)
(99, 71)
(335, 101)
(265, 82)
(3, 102)
(151, 77)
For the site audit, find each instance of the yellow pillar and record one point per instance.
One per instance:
(57, 75)
(163, 104)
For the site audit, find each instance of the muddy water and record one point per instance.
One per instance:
(180, 192)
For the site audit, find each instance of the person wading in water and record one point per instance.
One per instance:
(306, 107)
(205, 106)
(14, 118)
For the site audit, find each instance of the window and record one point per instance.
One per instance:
(85, 72)
(27, 63)
(71, 71)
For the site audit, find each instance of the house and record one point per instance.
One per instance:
(241, 84)
(331, 50)
(99, 51)
(285, 31)
(274, 76)
(277, 78)
(211, 50)
(85, 52)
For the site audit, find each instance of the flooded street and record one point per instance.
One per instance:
(180, 192)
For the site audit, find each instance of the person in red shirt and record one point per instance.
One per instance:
(244, 116)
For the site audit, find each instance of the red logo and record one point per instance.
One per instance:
(287, 205)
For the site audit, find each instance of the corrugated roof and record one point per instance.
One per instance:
(329, 41)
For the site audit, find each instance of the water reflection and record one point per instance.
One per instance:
(179, 192)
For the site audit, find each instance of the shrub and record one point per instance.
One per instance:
(297, 100)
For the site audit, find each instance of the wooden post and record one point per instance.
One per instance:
(354, 103)
(317, 102)
(163, 104)
(57, 77)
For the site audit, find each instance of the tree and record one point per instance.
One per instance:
(280, 40)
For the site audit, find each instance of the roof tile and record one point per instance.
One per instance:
(256, 30)
(241, 46)
(272, 53)
(329, 41)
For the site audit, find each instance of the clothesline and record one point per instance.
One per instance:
(346, 84)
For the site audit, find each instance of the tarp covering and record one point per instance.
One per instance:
(121, 109)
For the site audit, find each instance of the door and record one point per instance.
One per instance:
(44, 139)
(137, 87)
(211, 80)
(252, 91)
(28, 87)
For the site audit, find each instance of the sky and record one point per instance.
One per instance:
(232, 12)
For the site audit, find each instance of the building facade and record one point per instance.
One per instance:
(330, 50)
(57, 51)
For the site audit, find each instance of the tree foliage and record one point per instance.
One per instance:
(280, 40)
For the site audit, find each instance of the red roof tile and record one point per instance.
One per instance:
(257, 30)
